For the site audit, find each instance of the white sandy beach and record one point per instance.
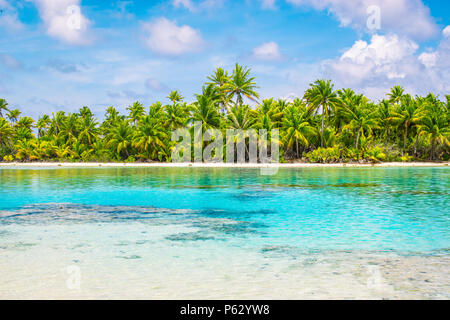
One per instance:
(219, 165)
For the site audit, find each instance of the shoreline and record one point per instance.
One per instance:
(218, 165)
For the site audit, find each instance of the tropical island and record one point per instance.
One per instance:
(326, 125)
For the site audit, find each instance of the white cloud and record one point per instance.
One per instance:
(406, 17)
(268, 4)
(446, 32)
(185, 3)
(205, 4)
(391, 60)
(64, 20)
(165, 37)
(8, 17)
(383, 56)
(428, 59)
(268, 51)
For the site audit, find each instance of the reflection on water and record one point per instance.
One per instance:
(221, 233)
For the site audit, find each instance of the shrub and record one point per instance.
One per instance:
(324, 155)
(375, 154)
(8, 158)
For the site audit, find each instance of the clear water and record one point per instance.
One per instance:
(225, 233)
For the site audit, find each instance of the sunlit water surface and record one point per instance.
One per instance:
(204, 233)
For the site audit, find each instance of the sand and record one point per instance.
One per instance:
(218, 165)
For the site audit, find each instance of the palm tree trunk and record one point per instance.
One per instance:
(357, 138)
(296, 141)
(432, 150)
(415, 145)
(404, 140)
(321, 137)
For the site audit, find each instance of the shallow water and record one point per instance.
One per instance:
(224, 233)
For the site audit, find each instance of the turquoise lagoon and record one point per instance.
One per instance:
(203, 233)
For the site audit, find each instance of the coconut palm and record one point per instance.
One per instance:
(384, 117)
(241, 85)
(433, 127)
(150, 137)
(24, 149)
(205, 111)
(85, 112)
(88, 130)
(23, 133)
(403, 117)
(297, 128)
(25, 122)
(6, 133)
(396, 94)
(219, 79)
(272, 109)
(120, 138)
(321, 96)
(156, 110)
(175, 97)
(3, 107)
(176, 115)
(13, 115)
(57, 123)
(240, 117)
(136, 111)
(363, 119)
(42, 125)
(69, 128)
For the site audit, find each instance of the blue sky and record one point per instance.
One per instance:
(53, 57)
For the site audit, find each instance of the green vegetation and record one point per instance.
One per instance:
(326, 125)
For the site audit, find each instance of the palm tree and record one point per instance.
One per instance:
(348, 99)
(24, 149)
(297, 128)
(112, 115)
(176, 115)
(403, 117)
(85, 112)
(120, 138)
(156, 110)
(13, 115)
(241, 85)
(396, 94)
(213, 93)
(136, 111)
(363, 119)
(384, 117)
(42, 125)
(69, 128)
(321, 96)
(23, 133)
(57, 123)
(219, 79)
(272, 110)
(88, 130)
(3, 107)
(6, 133)
(25, 122)
(150, 137)
(433, 127)
(204, 111)
(175, 97)
(240, 117)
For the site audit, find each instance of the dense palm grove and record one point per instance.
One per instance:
(326, 125)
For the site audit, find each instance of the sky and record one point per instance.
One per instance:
(65, 54)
